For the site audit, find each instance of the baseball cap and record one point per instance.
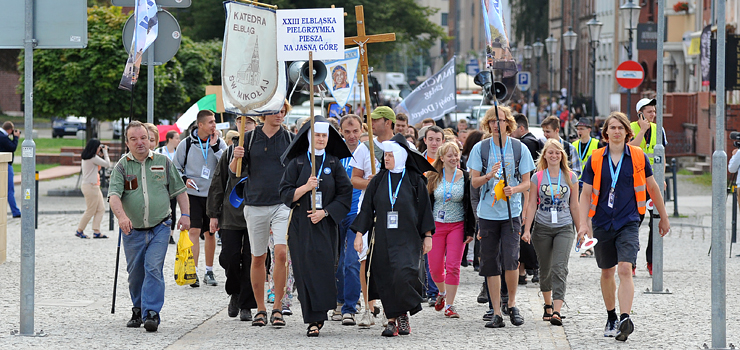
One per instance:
(383, 112)
(645, 102)
(584, 122)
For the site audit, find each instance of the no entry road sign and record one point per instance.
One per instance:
(629, 74)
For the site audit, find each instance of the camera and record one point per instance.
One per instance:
(735, 136)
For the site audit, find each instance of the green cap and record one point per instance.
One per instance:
(383, 112)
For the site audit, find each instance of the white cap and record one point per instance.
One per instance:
(645, 102)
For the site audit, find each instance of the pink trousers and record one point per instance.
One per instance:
(447, 252)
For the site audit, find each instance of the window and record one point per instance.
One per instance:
(444, 19)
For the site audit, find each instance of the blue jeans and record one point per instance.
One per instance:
(145, 253)
(431, 287)
(348, 268)
(11, 192)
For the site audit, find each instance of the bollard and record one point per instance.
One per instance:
(675, 187)
(37, 199)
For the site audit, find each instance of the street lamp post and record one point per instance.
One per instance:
(594, 31)
(538, 46)
(552, 48)
(570, 39)
(630, 13)
(528, 93)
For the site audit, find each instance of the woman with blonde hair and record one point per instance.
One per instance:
(449, 193)
(153, 135)
(553, 206)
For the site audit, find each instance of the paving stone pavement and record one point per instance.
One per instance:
(74, 280)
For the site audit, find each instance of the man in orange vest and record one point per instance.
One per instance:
(615, 204)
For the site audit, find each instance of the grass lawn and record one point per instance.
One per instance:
(39, 167)
(703, 179)
(53, 146)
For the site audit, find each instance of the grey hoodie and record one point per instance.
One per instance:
(195, 162)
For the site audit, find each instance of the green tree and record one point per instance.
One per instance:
(205, 20)
(530, 20)
(85, 82)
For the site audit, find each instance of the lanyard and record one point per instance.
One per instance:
(495, 157)
(204, 151)
(613, 172)
(393, 196)
(323, 158)
(585, 151)
(444, 181)
(552, 190)
(347, 167)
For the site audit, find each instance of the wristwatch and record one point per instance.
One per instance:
(326, 213)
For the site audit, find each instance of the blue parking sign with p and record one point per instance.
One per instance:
(522, 80)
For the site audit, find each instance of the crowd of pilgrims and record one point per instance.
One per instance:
(393, 224)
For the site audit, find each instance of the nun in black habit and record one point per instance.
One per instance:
(313, 238)
(396, 205)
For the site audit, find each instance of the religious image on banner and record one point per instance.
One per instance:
(705, 57)
(433, 98)
(498, 52)
(249, 66)
(341, 77)
(145, 33)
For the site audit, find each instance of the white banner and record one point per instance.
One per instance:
(433, 98)
(318, 30)
(341, 75)
(249, 66)
(145, 33)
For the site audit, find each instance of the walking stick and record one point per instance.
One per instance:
(115, 278)
(501, 147)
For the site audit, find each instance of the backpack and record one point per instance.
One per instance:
(188, 143)
(250, 134)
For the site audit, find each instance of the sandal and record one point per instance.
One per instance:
(277, 321)
(260, 319)
(588, 253)
(99, 235)
(313, 329)
(556, 319)
(80, 234)
(547, 316)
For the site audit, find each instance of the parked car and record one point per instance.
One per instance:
(67, 126)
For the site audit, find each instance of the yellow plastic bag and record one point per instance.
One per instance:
(184, 262)
(498, 192)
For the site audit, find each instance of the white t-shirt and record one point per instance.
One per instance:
(361, 160)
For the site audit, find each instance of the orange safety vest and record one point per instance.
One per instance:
(638, 177)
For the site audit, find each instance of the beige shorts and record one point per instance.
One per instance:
(263, 219)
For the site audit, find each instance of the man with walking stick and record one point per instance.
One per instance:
(141, 187)
(499, 210)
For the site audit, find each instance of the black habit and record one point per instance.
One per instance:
(396, 258)
(313, 248)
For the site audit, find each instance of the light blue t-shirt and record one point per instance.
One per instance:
(526, 164)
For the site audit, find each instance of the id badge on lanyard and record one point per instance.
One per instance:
(205, 172)
(319, 201)
(392, 222)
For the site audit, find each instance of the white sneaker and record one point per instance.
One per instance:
(366, 320)
(383, 319)
(610, 330)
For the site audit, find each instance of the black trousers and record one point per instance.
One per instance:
(649, 249)
(236, 259)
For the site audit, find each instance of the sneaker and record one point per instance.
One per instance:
(432, 300)
(336, 314)
(383, 320)
(488, 315)
(234, 305)
(196, 284)
(270, 296)
(152, 321)
(439, 304)
(496, 322)
(482, 296)
(287, 311)
(404, 327)
(348, 319)
(650, 268)
(626, 327)
(536, 276)
(245, 314)
(515, 317)
(451, 312)
(365, 320)
(610, 330)
(135, 321)
(523, 280)
(390, 330)
(633, 270)
(209, 279)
